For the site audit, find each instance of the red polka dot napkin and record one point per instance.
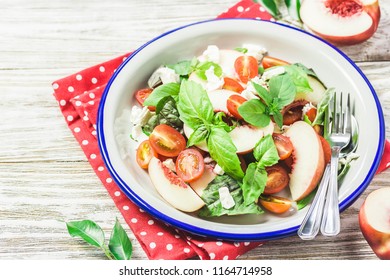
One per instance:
(78, 96)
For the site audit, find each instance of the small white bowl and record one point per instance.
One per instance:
(288, 43)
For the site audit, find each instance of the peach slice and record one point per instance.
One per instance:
(374, 221)
(172, 188)
(201, 184)
(341, 22)
(309, 164)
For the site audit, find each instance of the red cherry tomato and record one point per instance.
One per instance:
(246, 67)
(326, 148)
(283, 145)
(234, 101)
(277, 179)
(189, 165)
(233, 85)
(142, 94)
(144, 154)
(275, 204)
(293, 112)
(269, 61)
(311, 114)
(167, 141)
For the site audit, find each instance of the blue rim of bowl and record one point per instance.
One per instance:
(213, 233)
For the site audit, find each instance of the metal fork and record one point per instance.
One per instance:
(339, 137)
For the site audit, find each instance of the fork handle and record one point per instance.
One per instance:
(311, 223)
(330, 225)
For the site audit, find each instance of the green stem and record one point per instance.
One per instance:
(107, 252)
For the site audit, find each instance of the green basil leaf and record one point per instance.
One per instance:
(88, 230)
(309, 72)
(215, 209)
(323, 106)
(282, 87)
(182, 68)
(293, 7)
(210, 194)
(120, 245)
(306, 200)
(278, 118)
(204, 66)
(242, 50)
(265, 152)
(271, 7)
(171, 89)
(194, 105)
(263, 93)
(254, 112)
(223, 151)
(253, 182)
(200, 134)
(299, 77)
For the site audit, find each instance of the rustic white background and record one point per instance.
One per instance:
(45, 177)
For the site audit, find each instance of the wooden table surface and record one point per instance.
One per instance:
(44, 175)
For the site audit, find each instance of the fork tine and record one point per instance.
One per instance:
(335, 115)
(347, 116)
(340, 115)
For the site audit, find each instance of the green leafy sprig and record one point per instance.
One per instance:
(119, 246)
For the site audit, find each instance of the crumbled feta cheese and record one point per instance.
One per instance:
(208, 160)
(170, 164)
(136, 131)
(268, 74)
(226, 198)
(210, 54)
(306, 108)
(213, 81)
(140, 116)
(255, 50)
(218, 170)
(165, 75)
(250, 91)
(248, 95)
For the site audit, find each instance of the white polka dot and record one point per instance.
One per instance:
(126, 207)
(94, 80)
(258, 18)
(124, 58)
(71, 89)
(240, 9)
(94, 126)
(177, 236)
(117, 193)
(92, 95)
(85, 118)
(109, 180)
(247, 9)
(169, 247)
(226, 258)
(141, 210)
(237, 244)
(62, 102)
(152, 245)
(246, 243)
(262, 9)
(388, 164)
(93, 132)
(77, 129)
(134, 220)
(160, 233)
(102, 69)
(91, 102)
(93, 156)
(55, 86)
(79, 77)
(219, 243)
(143, 233)
(150, 222)
(272, 19)
(100, 168)
(212, 256)
(200, 245)
(189, 237)
(78, 103)
(186, 250)
(85, 142)
(69, 118)
(86, 113)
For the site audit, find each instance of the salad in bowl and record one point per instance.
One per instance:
(217, 127)
(233, 132)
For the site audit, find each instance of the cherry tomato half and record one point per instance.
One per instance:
(167, 141)
(234, 101)
(144, 154)
(326, 148)
(283, 145)
(142, 94)
(277, 179)
(189, 165)
(269, 61)
(311, 114)
(275, 204)
(232, 84)
(246, 68)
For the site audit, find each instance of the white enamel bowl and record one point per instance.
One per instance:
(293, 45)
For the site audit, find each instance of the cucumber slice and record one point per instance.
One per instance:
(316, 95)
